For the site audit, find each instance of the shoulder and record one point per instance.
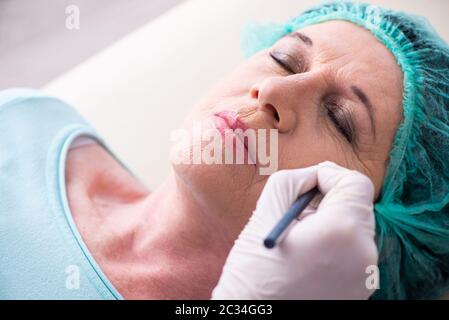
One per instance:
(20, 105)
(31, 122)
(14, 97)
(30, 118)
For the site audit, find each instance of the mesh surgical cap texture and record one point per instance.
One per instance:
(412, 212)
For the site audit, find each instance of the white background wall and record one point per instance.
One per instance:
(36, 46)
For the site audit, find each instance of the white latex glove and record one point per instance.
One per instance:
(324, 255)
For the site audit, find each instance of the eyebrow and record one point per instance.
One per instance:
(368, 106)
(302, 37)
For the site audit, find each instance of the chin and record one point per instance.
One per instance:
(213, 184)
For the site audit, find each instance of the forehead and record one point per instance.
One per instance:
(354, 53)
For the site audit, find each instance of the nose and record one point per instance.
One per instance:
(283, 99)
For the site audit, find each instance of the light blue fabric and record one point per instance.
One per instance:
(41, 250)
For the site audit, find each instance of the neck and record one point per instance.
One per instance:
(192, 242)
(162, 245)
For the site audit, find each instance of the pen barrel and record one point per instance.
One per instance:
(293, 212)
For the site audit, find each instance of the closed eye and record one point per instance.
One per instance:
(337, 115)
(282, 60)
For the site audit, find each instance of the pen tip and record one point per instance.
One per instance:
(269, 243)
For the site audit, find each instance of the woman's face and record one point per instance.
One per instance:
(332, 91)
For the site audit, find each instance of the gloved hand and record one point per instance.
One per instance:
(324, 255)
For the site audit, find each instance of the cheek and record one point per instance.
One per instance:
(308, 147)
(378, 178)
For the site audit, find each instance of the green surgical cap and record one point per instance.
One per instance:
(412, 212)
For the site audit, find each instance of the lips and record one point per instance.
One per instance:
(230, 120)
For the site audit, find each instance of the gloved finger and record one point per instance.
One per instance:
(336, 181)
(312, 207)
(348, 197)
(283, 188)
